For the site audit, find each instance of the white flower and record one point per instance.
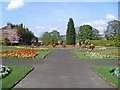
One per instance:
(4, 71)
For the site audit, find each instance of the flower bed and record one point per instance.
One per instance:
(4, 71)
(103, 55)
(70, 46)
(19, 53)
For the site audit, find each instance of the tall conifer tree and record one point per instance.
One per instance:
(70, 34)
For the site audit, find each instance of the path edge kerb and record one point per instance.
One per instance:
(104, 79)
(32, 68)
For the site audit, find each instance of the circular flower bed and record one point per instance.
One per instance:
(4, 71)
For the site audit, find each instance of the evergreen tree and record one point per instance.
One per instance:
(70, 34)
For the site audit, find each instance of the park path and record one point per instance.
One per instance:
(61, 69)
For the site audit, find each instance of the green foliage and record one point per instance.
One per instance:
(55, 37)
(46, 38)
(51, 38)
(64, 45)
(87, 42)
(87, 32)
(117, 39)
(91, 46)
(34, 40)
(112, 29)
(95, 34)
(6, 41)
(25, 34)
(70, 34)
(102, 42)
(42, 54)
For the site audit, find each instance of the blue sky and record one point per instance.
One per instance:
(47, 16)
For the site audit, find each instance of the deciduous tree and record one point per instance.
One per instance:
(112, 29)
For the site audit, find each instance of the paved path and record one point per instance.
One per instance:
(61, 69)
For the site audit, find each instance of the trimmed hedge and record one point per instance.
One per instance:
(103, 42)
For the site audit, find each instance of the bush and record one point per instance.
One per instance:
(91, 46)
(4, 71)
(103, 42)
(64, 45)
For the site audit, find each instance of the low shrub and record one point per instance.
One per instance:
(64, 45)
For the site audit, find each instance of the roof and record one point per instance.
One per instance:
(4, 28)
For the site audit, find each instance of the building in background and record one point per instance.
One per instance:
(10, 32)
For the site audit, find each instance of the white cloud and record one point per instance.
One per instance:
(100, 22)
(109, 16)
(100, 28)
(94, 23)
(15, 4)
(39, 30)
(40, 27)
(89, 23)
(52, 28)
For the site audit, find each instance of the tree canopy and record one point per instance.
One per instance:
(51, 37)
(87, 32)
(112, 29)
(25, 34)
(117, 39)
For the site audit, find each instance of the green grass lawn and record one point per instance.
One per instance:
(8, 48)
(104, 72)
(42, 54)
(18, 72)
(82, 54)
